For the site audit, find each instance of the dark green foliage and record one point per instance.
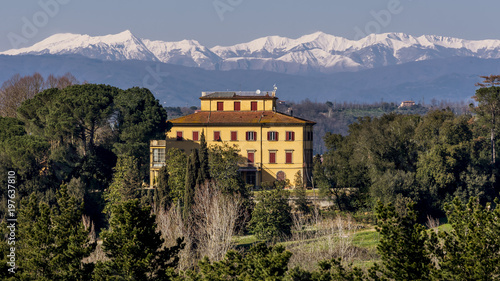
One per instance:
(332, 270)
(471, 250)
(402, 244)
(488, 111)
(224, 169)
(53, 240)
(139, 118)
(192, 175)
(300, 194)
(162, 193)
(204, 166)
(134, 246)
(271, 218)
(126, 183)
(10, 127)
(259, 263)
(176, 167)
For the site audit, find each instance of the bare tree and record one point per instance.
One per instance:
(18, 89)
(215, 215)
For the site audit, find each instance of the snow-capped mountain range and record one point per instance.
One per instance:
(310, 54)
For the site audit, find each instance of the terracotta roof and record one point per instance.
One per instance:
(237, 95)
(239, 118)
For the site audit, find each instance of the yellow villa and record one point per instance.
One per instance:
(275, 145)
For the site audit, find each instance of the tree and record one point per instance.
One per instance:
(300, 193)
(471, 249)
(192, 176)
(126, 183)
(176, 166)
(214, 217)
(204, 162)
(53, 240)
(260, 263)
(402, 244)
(271, 218)
(139, 117)
(224, 169)
(162, 196)
(488, 108)
(134, 247)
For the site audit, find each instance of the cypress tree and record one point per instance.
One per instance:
(162, 197)
(204, 168)
(192, 178)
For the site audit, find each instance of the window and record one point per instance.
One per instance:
(290, 136)
(159, 155)
(288, 157)
(272, 157)
(251, 178)
(253, 105)
(220, 106)
(196, 135)
(237, 106)
(217, 136)
(309, 136)
(250, 157)
(179, 135)
(272, 136)
(234, 135)
(251, 136)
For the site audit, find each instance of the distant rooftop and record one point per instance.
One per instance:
(232, 94)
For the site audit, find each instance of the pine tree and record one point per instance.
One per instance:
(471, 249)
(204, 167)
(402, 244)
(126, 182)
(134, 246)
(53, 241)
(272, 217)
(261, 262)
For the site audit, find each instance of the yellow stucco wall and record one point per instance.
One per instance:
(245, 104)
(261, 146)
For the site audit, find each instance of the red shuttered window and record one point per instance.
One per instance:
(290, 136)
(251, 136)
(179, 135)
(272, 157)
(253, 106)
(196, 135)
(289, 158)
(272, 136)
(251, 157)
(234, 135)
(220, 106)
(237, 106)
(217, 136)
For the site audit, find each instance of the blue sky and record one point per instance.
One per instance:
(226, 22)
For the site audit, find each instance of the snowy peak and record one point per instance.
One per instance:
(185, 52)
(121, 46)
(310, 53)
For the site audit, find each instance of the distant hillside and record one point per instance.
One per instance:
(442, 79)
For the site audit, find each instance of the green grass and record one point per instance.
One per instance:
(366, 239)
(445, 227)
(244, 241)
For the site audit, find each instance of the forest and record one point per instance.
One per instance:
(412, 192)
